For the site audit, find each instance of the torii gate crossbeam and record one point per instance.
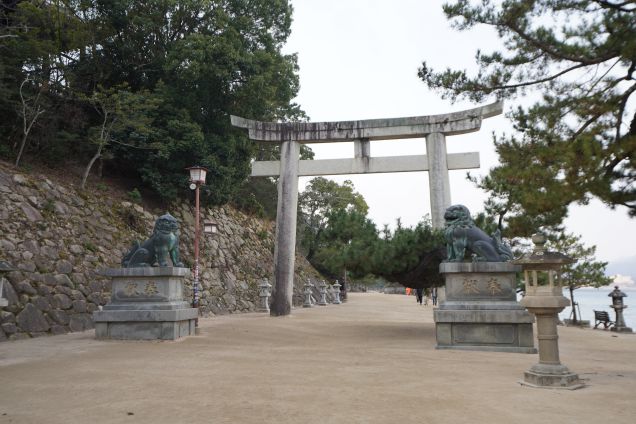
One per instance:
(437, 162)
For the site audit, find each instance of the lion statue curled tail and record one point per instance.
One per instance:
(462, 237)
(162, 245)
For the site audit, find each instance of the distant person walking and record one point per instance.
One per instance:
(434, 295)
(418, 294)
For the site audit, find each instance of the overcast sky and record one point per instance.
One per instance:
(359, 59)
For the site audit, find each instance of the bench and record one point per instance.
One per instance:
(602, 317)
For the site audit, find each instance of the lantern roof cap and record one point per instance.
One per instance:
(617, 292)
(540, 258)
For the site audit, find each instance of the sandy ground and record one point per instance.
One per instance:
(371, 360)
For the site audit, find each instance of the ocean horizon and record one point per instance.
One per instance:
(590, 299)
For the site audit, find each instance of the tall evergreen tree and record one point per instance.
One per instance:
(202, 60)
(320, 199)
(579, 140)
(345, 246)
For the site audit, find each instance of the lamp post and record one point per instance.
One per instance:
(197, 179)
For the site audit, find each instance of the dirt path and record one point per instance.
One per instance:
(371, 360)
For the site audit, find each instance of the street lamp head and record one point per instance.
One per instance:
(210, 226)
(197, 174)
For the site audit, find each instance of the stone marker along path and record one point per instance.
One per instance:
(370, 360)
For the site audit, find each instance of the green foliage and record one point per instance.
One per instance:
(90, 246)
(575, 142)
(586, 271)
(249, 204)
(150, 83)
(410, 256)
(135, 195)
(257, 196)
(341, 240)
(49, 207)
(346, 244)
(321, 198)
(133, 219)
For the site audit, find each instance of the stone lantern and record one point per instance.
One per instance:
(322, 288)
(336, 293)
(307, 291)
(264, 292)
(618, 305)
(5, 267)
(545, 301)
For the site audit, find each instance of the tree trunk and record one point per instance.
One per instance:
(90, 165)
(574, 317)
(22, 144)
(26, 127)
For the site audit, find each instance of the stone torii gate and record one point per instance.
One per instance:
(435, 128)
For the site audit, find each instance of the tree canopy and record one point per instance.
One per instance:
(321, 198)
(578, 139)
(586, 271)
(339, 239)
(410, 256)
(195, 61)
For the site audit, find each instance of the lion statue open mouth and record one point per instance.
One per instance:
(161, 247)
(463, 237)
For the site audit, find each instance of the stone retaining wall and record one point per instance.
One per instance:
(59, 238)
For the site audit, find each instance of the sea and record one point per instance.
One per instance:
(591, 299)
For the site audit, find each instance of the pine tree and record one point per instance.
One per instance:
(586, 271)
(579, 140)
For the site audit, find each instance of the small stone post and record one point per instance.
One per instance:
(307, 292)
(336, 293)
(323, 293)
(545, 301)
(618, 305)
(5, 267)
(264, 293)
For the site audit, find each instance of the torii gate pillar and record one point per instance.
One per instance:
(286, 211)
(437, 162)
(438, 181)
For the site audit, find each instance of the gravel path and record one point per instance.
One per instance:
(371, 360)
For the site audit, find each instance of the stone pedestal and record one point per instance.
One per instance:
(549, 373)
(480, 311)
(146, 304)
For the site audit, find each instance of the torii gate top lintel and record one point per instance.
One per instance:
(371, 129)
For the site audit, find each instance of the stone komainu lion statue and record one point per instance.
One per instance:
(462, 236)
(163, 244)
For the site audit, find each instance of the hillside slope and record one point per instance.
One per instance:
(59, 237)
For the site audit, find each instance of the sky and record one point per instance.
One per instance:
(358, 60)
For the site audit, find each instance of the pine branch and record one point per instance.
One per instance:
(621, 110)
(616, 6)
